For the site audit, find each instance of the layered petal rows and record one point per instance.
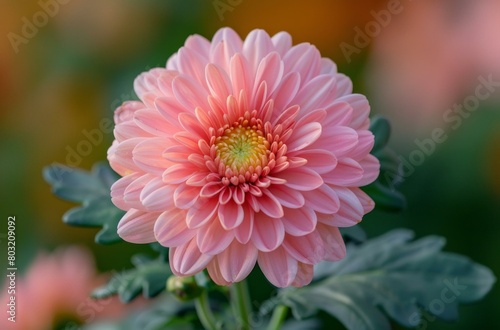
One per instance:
(242, 152)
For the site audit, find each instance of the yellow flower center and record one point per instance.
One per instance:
(241, 147)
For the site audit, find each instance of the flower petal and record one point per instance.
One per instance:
(132, 194)
(218, 83)
(366, 140)
(268, 233)
(270, 204)
(118, 190)
(366, 201)
(177, 173)
(316, 93)
(120, 156)
(304, 59)
(151, 121)
(214, 271)
(237, 261)
(324, 199)
(344, 85)
(211, 189)
(203, 211)
(230, 215)
(137, 226)
(347, 173)
(287, 197)
(299, 222)
(255, 47)
(125, 112)
(129, 130)
(244, 231)
(148, 155)
(340, 140)
(351, 211)
(371, 170)
(304, 276)
(187, 260)
(270, 70)
(282, 42)
(212, 238)
(189, 93)
(333, 243)
(301, 178)
(361, 108)
(320, 161)
(304, 136)
(156, 195)
(286, 90)
(192, 63)
(308, 249)
(176, 154)
(171, 229)
(186, 196)
(278, 266)
(338, 114)
(240, 74)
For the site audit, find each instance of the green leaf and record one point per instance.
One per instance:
(392, 274)
(381, 128)
(384, 197)
(383, 190)
(149, 278)
(162, 313)
(92, 189)
(354, 233)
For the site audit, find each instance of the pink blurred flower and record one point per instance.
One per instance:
(242, 152)
(57, 286)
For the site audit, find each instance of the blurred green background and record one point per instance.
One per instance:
(76, 68)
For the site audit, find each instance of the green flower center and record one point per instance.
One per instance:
(241, 147)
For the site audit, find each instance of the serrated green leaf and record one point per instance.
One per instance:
(149, 277)
(92, 189)
(381, 129)
(163, 313)
(73, 184)
(399, 276)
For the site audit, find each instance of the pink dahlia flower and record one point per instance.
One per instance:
(55, 291)
(243, 151)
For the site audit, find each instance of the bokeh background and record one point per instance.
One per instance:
(60, 79)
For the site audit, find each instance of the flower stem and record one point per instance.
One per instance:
(279, 315)
(239, 292)
(204, 313)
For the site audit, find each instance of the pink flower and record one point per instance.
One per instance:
(242, 152)
(56, 288)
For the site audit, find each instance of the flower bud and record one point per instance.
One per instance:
(184, 288)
